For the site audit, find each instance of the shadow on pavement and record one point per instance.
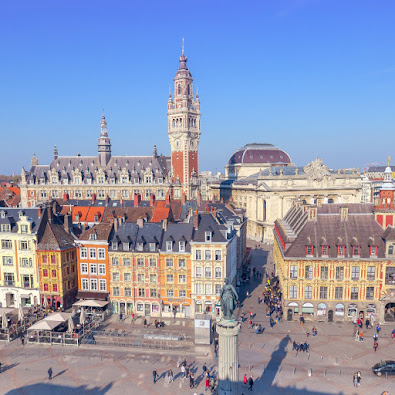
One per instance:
(46, 388)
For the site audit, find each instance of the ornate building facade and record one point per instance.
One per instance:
(121, 177)
(276, 187)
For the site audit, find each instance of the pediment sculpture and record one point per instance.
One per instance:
(316, 170)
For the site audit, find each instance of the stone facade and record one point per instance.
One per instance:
(269, 194)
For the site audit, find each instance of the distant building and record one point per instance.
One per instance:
(276, 186)
(121, 177)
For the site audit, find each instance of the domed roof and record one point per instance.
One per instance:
(259, 153)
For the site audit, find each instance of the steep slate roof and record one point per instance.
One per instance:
(136, 166)
(126, 233)
(150, 233)
(208, 223)
(389, 233)
(176, 233)
(102, 230)
(11, 216)
(360, 228)
(55, 236)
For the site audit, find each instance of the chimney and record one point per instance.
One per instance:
(40, 209)
(199, 199)
(107, 200)
(67, 223)
(184, 198)
(49, 213)
(152, 200)
(167, 199)
(164, 224)
(115, 224)
(137, 199)
(196, 220)
(93, 197)
(140, 222)
(344, 213)
(65, 197)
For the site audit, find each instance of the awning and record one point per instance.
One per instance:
(91, 303)
(92, 295)
(25, 296)
(44, 325)
(8, 310)
(61, 317)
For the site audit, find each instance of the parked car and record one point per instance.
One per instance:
(384, 367)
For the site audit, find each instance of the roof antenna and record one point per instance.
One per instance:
(183, 45)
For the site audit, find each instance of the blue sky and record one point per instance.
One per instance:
(316, 78)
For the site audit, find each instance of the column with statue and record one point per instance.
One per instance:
(228, 354)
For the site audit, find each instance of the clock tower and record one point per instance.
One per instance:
(183, 112)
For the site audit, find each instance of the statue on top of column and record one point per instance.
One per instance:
(228, 300)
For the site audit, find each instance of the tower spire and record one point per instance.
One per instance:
(183, 45)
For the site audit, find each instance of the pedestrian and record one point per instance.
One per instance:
(182, 370)
(50, 374)
(120, 316)
(23, 340)
(191, 381)
(301, 321)
(212, 384)
(375, 337)
(393, 334)
(375, 345)
(0, 366)
(271, 322)
(251, 315)
(361, 336)
(385, 393)
(259, 300)
(245, 380)
(367, 322)
(145, 322)
(359, 378)
(257, 329)
(355, 379)
(204, 368)
(154, 374)
(250, 383)
(207, 384)
(357, 335)
(378, 328)
(170, 376)
(248, 294)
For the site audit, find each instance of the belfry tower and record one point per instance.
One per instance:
(183, 112)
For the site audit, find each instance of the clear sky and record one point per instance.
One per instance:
(316, 78)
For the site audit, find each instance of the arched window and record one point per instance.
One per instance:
(174, 122)
(179, 89)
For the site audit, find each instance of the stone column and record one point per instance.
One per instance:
(228, 353)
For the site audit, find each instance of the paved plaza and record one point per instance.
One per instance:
(334, 357)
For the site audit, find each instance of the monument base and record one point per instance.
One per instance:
(228, 357)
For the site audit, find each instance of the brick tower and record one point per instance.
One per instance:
(183, 112)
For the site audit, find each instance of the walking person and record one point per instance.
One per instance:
(183, 370)
(170, 376)
(191, 381)
(375, 345)
(207, 384)
(23, 340)
(250, 383)
(359, 378)
(212, 384)
(355, 379)
(50, 374)
(154, 374)
(361, 336)
(357, 335)
(245, 380)
(204, 368)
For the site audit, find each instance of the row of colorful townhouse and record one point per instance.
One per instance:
(38, 258)
(162, 269)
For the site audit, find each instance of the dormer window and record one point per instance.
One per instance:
(76, 218)
(169, 246)
(373, 251)
(93, 236)
(324, 250)
(341, 250)
(2, 214)
(54, 180)
(152, 246)
(77, 180)
(5, 227)
(208, 236)
(96, 218)
(124, 180)
(355, 250)
(182, 246)
(391, 249)
(309, 250)
(24, 228)
(139, 246)
(125, 246)
(114, 245)
(100, 180)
